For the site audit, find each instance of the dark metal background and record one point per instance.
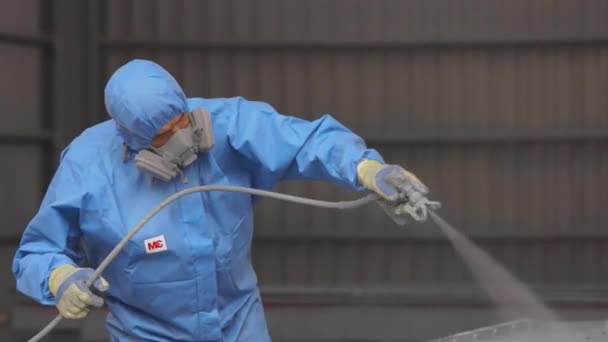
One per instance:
(499, 106)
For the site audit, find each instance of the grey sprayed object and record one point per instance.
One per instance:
(532, 331)
(283, 197)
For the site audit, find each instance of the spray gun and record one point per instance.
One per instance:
(412, 200)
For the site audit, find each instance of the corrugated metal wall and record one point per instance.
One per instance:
(44, 99)
(24, 127)
(497, 105)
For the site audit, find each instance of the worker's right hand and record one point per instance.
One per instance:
(72, 297)
(387, 180)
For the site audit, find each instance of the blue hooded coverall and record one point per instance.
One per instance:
(203, 286)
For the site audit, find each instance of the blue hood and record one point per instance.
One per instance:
(141, 96)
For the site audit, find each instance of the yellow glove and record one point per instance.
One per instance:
(384, 179)
(72, 298)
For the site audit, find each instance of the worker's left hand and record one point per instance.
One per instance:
(387, 180)
(72, 297)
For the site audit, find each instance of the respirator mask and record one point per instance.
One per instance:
(182, 149)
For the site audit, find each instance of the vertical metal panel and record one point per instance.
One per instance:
(322, 263)
(320, 19)
(348, 259)
(171, 61)
(425, 262)
(424, 89)
(399, 93)
(195, 80)
(220, 21)
(565, 112)
(7, 282)
(345, 20)
(21, 105)
(475, 187)
(72, 79)
(269, 261)
(170, 22)
(541, 18)
(450, 71)
(589, 207)
(399, 263)
(577, 192)
(294, 218)
(270, 20)
(482, 19)
(321, 83)
(569, 17)
(346, 90)
(143, 18)
(398, 23)
(295, 14)
(371, 20)
(117, 19)
(220, 74)
(194, 20)
(532, 182)
(20, 16)
(549, 88)
(450, 268)
(553, 187)
(112, 62)
(535, 93)
(373, 264)
(577, 88)
(591, 106)
(372, 90)
(296, 84)
(595, 17)
(271, 78)
(297, 269)
(424, 20)
(562, 259)
(564, 192)
(21, 185)
(534, 266)
(452, 190)
(246, 75)
(600, 264)
(582, 256)
(504, 108)
(245, 20)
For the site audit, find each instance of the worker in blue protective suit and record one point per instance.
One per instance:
(187, 276)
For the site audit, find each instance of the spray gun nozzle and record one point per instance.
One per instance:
(418, 210)
(411, 200)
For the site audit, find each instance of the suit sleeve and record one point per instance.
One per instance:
(279, 147)
(52, 237)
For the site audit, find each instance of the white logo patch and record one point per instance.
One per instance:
(155, 244)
